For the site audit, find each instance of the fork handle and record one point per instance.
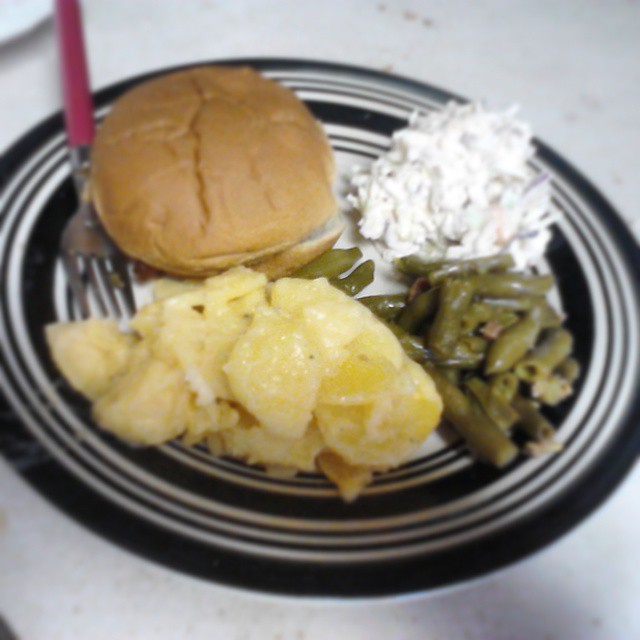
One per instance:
(78, 107)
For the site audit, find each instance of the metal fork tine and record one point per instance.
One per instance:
(96, 268)
(92, 273)
(107, 283)
(70, 263)
(121, 269)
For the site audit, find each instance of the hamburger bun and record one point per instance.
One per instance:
(205, 169)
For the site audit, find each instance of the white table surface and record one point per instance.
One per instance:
(574, 66)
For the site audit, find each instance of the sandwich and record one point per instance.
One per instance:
(201, 170)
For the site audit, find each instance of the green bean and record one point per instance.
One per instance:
(455, 298)
(513, 343)
(551, 390)
(505, 385)
(496, 262)
(481, 313)
(510, 285)
(554, 348)
(451, 374)
(569, 370)
(459, 357)
(549, 317)
(493, 404)
(481, 435)
(524, 303)
(532, 422)
(387, 307)
(464, 268)
(477, 314)
(418, 286)
(473, 344)
(503, 311)
(417, 266)
(420, 309)
(330, 264)
(357, 280)
(412, 345)
(505, 319)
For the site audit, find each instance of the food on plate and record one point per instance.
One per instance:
(483, 437)
(456, 185)
(486, 335)
(212, 167)
(385, 306)
(330, 264)
(493, 345)
(104, 355)
(293, 375)
(335, 262)
(218, 169)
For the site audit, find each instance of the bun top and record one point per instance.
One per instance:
(211, 167)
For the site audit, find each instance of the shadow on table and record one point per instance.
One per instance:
(5, 631)
(41, 33)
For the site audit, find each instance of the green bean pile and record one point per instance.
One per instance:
(486, 335)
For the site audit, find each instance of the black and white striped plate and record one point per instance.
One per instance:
(439, 520)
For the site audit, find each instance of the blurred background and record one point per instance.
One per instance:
(573, 68)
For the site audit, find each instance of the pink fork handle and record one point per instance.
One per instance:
(78, 107)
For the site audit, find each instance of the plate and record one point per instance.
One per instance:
(440, 519)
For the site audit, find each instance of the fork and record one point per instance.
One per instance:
(96, 269)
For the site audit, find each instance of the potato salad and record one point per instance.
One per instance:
(293, 375)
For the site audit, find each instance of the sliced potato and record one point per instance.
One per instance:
(178, 338)
(295, 295)
(146, 405)
(246, 306)
(231, 285)
(147, 320)
(167, 287)
(382, 433)
(375, 341)
(350, 480)
(329, 318)
(358, 380)
(273, 371)
(204, 421)
(258, 446)
(90, 354)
